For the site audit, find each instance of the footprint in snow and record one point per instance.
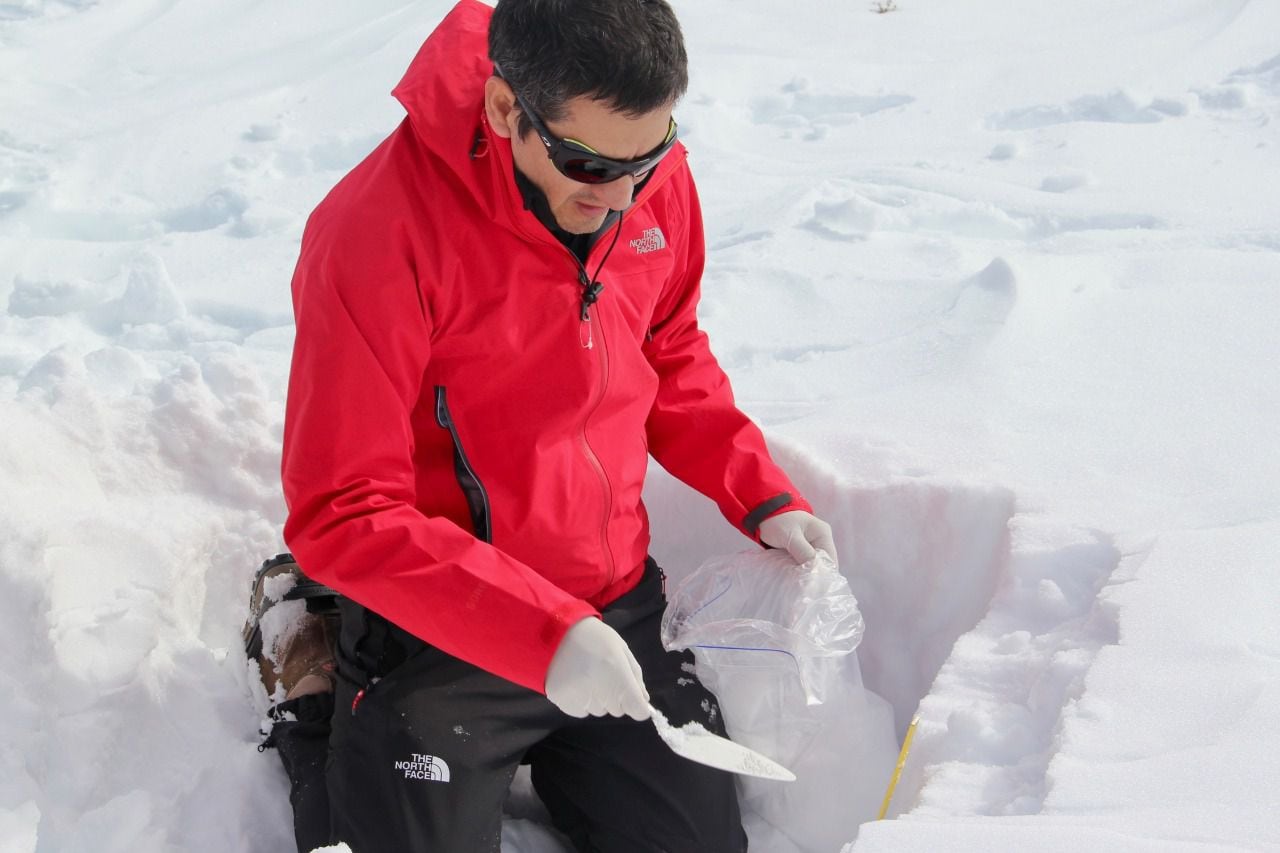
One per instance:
(267, 131)
(217, 208)
(32, 297)
(1004, 151)
(1244, 87)
(850, 213)
(812, 114)
(1065, 183)
(1118, 107)
(271, 154)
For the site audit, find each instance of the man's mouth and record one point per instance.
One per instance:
(591, 210)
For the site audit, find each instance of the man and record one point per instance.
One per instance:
(495, 328)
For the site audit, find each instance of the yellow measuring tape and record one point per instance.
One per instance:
(897, 771)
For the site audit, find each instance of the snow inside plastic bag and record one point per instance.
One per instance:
(772, 640)
(774, 612)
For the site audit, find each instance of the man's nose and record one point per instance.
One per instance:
(616, 195)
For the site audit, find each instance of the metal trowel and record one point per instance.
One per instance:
(695, 743)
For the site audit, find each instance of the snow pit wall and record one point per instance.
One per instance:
(924, 558)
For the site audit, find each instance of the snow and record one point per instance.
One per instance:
(999, 279)
(678, 736)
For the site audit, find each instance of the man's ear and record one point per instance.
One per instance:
(500, 107)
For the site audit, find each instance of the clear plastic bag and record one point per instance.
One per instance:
(761, 609)
(775, 642)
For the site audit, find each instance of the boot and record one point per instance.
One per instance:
(291, 630)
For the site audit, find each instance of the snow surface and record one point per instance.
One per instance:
(1000, 279)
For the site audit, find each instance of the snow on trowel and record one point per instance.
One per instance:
(694, 742)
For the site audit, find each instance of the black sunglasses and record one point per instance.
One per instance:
(582, 163)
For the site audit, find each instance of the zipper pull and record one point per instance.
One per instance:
(590, 294)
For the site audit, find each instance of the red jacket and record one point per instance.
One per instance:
(455, 457)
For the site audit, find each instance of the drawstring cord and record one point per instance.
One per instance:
(591, 289)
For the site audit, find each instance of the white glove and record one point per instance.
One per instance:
(799, 533)
(594, 673)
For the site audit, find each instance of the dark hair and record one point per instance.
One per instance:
(627, 53)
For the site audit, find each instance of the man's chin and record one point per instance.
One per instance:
(581, 219)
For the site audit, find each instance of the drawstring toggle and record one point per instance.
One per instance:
(590, 294)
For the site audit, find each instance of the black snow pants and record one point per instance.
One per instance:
(301, 736)
(424, 746)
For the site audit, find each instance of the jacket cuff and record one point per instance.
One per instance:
(785, 502)
(558, 623)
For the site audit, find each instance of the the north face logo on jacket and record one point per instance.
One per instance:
(428, 768)
(650, 241)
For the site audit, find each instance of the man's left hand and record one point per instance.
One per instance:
(799, 533)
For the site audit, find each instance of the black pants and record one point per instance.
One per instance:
(421, 763)
(301, 736)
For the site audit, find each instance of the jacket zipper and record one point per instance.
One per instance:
(592, 290)
(590, 295)
(472, 488)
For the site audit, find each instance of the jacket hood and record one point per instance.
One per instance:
(443, 89)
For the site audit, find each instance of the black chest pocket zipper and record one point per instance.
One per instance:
(472, 488)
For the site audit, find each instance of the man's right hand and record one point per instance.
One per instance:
(593, 673)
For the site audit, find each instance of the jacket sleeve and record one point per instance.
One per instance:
(695, 429)
(362, 345)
